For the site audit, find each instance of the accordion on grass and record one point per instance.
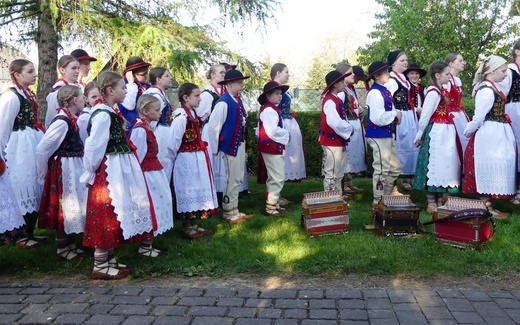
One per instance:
(463, 223)
(324, 213)
(395, 215)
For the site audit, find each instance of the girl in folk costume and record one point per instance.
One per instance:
(11, 220)
(399, 87)
(68, 67)
(226, 134)
(356, 151)
(60, 165)
(158, 183)
(490, 158)
(272, 139)
(511, 88)
(335, 130)
(380, 132)
(192, 173)
(454, 88)
(294, 158)
(19, 137)
(84, 65)
(118, 204)
(135, 73)
(413, 73)
(208, 98)
(91, 95)
(440, 157)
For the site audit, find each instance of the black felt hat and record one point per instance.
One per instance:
(82, 55)
(415, 67)
(270, 86)
(375, 68)
(233, 75)
(359, 73)
(392, 56)
(134, 63)
(332, 78)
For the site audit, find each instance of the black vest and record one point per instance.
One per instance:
(117, 142)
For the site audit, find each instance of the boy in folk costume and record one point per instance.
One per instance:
(414, 73)
(356, 153)
(380, 132)
(84, 65)
(135, 73)
(272, 138)
(399, 87)
(226, 134)
(334, 131)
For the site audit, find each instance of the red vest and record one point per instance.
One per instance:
(266, 144)
(150, 161)
(455, 95)
(327, 135)
(442, 113)
(191, 140)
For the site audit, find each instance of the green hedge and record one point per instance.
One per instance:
(309, 124)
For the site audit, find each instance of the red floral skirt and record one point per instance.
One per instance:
(51, 215)
(102, 229)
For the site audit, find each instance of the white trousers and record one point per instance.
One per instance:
(275, 165)
(333, 167)
(235, 175)
(387, 166)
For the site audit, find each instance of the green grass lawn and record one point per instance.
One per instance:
(270, 246)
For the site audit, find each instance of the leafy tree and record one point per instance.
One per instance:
(118, 29)
(429, 29)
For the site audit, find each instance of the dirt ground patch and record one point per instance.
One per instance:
(351, 281)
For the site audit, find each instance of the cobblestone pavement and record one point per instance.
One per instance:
(66, 304)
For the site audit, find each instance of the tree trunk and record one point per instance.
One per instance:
(47, 39)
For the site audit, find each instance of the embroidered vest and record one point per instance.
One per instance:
(117, 142)
(416, 93)
(232, 133)
(26, 117)
(455, 95)
(150, 161)
(514, 92)
(497, 113)
(350, 106)
(285, 106)
(132, 115)
(191, 140)
(72, 146)
(327, 135)
(266, 144)
(400, 97)
(373, 130)
(442, 112)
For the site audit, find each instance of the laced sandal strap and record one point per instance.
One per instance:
(27, 242)
(149, 251)
(67, 253)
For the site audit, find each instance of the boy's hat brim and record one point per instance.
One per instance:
(268, 87)
(233, 75)
(332, 78)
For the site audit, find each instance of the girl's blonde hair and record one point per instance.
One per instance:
(107, 79)
(212, 70)
(67, 93)
(144, 102)
(16, 66)
(65, 60)
(89, 87)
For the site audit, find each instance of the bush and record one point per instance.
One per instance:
(309, 124)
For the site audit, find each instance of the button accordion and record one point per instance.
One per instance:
(395, 215)
(324, 213)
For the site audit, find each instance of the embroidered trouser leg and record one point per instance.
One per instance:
(275, 165)
(235, 175)
(333, 167)
(386, 165)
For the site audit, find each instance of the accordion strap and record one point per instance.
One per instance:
(461, 215)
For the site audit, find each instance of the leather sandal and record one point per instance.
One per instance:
(28, 243)
(203, 231)
(149, 251)
(234, 220)
(106, 272)
(68, 254)
(245, 216)
(190, 233)
(115, 264)
(283, 201)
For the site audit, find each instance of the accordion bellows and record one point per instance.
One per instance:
(324, 213)
(396, 215)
